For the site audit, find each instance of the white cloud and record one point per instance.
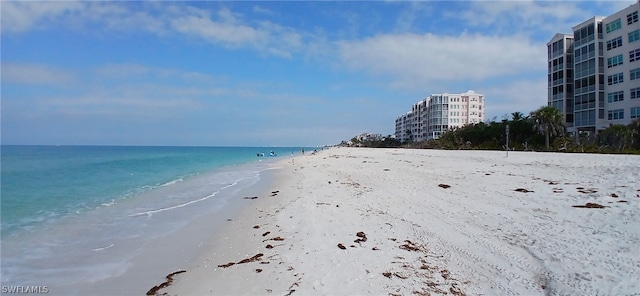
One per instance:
(533, 17)
(416, 10)
(223, 27)
(20, 16)
(412, 61)
(528, 15)
(139, 20)
(119, 105)
(122, 70)
(523, 96)
(125, 72)
(229, 30)
(262, 10)
(611, 6)
(34, 74)
(226, 33)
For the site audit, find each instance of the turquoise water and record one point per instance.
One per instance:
(74, 216)
(42, 183)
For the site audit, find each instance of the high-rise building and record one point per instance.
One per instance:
(404, 127)
(594, 74)
(434, 115)
(560, 78)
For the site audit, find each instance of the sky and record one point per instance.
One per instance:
(264, 73)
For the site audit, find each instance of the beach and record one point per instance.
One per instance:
(110, 220)
(355, 221)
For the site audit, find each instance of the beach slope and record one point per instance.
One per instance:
(350, 221)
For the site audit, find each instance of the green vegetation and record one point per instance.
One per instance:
(548, 121)
(386, 142)
(542, 130)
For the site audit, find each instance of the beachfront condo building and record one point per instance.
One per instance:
(404, 127)
(594, 73)
(434, 115)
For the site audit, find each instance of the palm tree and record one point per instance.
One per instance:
(517, 116)
(548, 121)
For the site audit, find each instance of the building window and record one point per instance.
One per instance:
(584, 35)
(615, 96)
(632, 18)
(612, 26)
(634, 36)
(634, 74)
(634, 55)
(615, 79)
(635, 112)
(614, 61)
(615, 114)
(613, 43)
(635, 93)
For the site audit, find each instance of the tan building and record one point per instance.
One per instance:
(432, 116)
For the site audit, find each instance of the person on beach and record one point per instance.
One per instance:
(302, 151)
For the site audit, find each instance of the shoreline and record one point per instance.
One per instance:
(127, 247)
(216, 239)
(399, 222)
(179, 250)
(250, 234)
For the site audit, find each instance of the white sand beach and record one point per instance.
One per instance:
(356, 221)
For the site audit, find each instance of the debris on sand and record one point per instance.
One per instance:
(155, 289)
(362, 237)
(590, 206)
(523, 190)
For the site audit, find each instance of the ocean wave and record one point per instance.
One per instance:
(172, 182)
(234, 183)
(103, 248)
(107, 204)
(149, 213)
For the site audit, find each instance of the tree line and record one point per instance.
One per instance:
(541, 130)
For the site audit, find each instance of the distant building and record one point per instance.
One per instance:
(594, 74)
(368, 137)
(432, 116)
(404, 126)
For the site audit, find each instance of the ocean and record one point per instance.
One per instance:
(73, 217)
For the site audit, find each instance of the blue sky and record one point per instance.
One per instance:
(263, 73)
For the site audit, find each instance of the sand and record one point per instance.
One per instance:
(354, 221)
